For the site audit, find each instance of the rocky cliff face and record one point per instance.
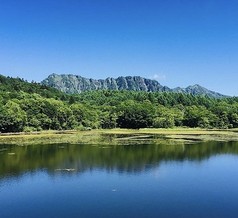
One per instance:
(69, 83)
(77, 84)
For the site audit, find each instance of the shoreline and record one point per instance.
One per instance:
(119, 136)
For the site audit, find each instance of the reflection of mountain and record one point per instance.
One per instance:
(16, 160)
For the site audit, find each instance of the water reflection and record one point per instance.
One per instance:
(65, 158)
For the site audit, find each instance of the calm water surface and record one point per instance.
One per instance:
(197, 180)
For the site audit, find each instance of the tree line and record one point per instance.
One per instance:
(31, 106)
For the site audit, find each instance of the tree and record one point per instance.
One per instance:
(199, 116)
(164, 118)
(12, 117)
(135, 115)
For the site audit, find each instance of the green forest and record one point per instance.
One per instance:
(32, 106)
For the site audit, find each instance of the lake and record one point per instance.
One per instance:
(135, 180)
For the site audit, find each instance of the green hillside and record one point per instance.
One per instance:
(32, 106)
(12, 86)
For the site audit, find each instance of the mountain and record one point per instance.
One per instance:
(199, 90)
(76, 84)
(69, 83)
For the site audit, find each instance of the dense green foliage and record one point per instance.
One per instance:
(12, 87)
(31, 106)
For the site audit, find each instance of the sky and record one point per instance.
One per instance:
(176, 42)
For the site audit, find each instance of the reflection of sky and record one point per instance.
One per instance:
(172, 189)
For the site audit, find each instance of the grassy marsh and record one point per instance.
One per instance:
(120, 136)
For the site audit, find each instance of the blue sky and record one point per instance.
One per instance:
(177, 42)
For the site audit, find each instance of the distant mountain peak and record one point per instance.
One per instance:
(70, 83)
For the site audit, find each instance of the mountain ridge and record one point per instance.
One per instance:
(70, 84)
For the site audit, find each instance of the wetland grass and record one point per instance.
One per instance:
(119, 136)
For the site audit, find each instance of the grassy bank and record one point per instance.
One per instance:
(120, 136)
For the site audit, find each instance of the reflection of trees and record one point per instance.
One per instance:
(130, 158)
